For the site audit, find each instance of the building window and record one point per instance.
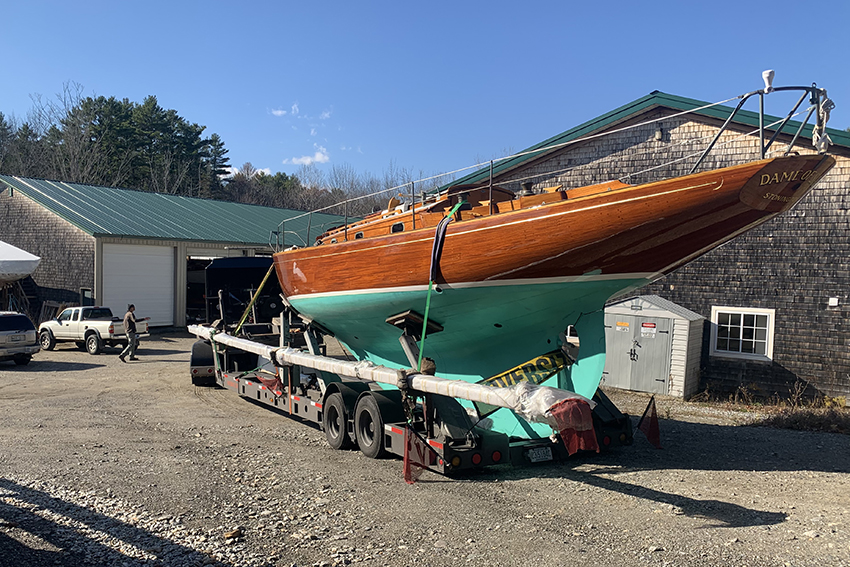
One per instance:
(738, 332)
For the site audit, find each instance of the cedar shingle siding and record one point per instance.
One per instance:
(70, 251)
(792, 264)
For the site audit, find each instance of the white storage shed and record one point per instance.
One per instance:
(653, 345)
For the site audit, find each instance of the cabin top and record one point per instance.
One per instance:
(476, 200)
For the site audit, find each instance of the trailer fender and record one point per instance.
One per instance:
(202, 364)
(389, 403)
(350, 391)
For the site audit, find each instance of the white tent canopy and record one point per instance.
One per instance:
(15, 264)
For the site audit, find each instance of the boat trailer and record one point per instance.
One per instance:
(359, 404)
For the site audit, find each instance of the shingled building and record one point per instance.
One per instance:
(787, 283)
(111, 247)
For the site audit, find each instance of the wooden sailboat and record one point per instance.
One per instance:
(508, 274)
(516, 272)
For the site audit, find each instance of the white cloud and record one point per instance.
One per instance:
(295, 108)
(325, 115)
(278, 112)
(313, 131)
(231, 171)
(321, 156)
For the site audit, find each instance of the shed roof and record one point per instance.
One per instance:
(108, 211)
(643, 104)
(648, 302)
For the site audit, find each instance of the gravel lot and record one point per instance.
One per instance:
(104, 463)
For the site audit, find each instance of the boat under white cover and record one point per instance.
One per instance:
(15, 264)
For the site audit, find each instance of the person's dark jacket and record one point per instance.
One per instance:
(129, 322)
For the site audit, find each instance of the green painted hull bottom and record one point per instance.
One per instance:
(486, 330)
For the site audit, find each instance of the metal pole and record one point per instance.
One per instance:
(309, 220)
(345, 230)
(761, 124)
(784, 122)
(800, 129)
(413, 205)
(818, 117)
(490, 203)
(501, 397)
(720, 132)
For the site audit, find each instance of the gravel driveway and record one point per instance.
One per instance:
(104, 463)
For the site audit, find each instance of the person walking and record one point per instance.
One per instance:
(132, 336)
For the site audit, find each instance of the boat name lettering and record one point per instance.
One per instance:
(535, 371)
(775, 197)
(796, 175)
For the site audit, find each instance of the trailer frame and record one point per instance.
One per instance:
(354, 410)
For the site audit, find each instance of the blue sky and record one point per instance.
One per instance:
(424, 86)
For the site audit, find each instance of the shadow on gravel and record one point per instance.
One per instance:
(29, 537)
(724, 514)
(697, 447)
(51, 366)
(156, 349)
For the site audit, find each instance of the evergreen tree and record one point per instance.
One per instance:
(27, 153)
(7, 136)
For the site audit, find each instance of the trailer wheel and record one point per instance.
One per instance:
(333, 422)
(369, 427)
(93, 344)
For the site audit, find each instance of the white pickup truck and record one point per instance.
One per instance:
(89, 327)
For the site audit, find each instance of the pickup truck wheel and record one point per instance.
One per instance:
(369, 427)
(46, 339)
(23, 359)
(334, 422)
(93, 344)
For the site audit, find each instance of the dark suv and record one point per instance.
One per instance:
(18, 337)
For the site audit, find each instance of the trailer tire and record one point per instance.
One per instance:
(334, 421)
(369, 427)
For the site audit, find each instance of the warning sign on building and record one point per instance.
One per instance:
(622, 326)
(647, 330)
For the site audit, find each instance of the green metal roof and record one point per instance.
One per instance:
(652, 100)
(107, 211)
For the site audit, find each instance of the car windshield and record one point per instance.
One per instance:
(99, 313)
(16, 323)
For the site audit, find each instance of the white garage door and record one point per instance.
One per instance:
(143, 276)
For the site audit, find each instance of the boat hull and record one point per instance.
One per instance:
(487, 328)
(507, 285)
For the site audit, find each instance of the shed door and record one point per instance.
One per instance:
(637, 353)
(651, 356)
(618, 340)
(143, 276)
